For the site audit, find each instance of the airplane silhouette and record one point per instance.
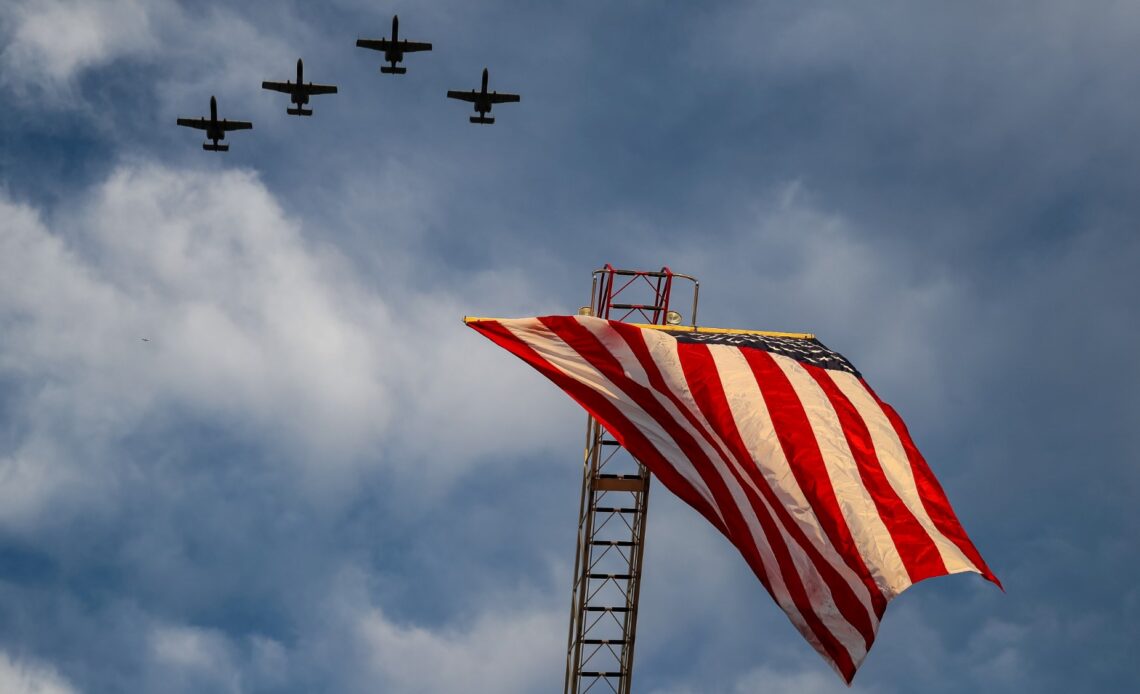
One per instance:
(394, 50)
(483, 100)
(300, 92)
(215, 129)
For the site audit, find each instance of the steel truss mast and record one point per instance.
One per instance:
(611, 514)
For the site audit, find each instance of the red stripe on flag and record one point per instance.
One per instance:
(916, 548)
(586, 344)
(708, 391)
(793, 429)
(607, 413)
(933, 498)
(703, 438)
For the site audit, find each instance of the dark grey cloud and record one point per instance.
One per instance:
(314, 478)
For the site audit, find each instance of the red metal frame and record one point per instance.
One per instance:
(660, 283)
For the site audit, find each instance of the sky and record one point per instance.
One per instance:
(313, 478)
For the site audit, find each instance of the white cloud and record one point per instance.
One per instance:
(767, 679)
(222, 53)
(195, 649)
(24, 677)
(506, 643)
(31, 478)
(239, 317)
(787, 262)
(52, 40)
(500, 652)
(189, 658)
(52, 43)
(249, 326)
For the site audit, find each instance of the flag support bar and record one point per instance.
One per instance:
(612, 509)
(687, 329)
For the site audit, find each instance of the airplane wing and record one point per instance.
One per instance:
(471, 96)
(235, 124)
(279, 87)
(374, 44)
(499, 98)
(290, 88)
(413, 46)
(199, 123)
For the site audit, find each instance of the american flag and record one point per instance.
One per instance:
(778, 442)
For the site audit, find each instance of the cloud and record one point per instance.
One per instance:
(53, 40)
(194, 292)
(505, 643)
(508, 651)
(199, 51)
(23, 677)
(768, 679)
(234, 309)
(786, 261)
(278, 385)
(944, 195)
(199, 657)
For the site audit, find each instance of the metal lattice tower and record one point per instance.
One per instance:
(611, 514)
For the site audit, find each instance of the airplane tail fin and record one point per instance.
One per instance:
(486, 120)
(215, 148)
(388, 70)
(299, 111)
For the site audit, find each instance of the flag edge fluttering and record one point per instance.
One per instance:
(499, 331)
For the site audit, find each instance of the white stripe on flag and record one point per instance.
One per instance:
(617, 346)
(663, 350)
(896, 466)
(666, 403)
(871, 535)
(564, 358)
(750, 411)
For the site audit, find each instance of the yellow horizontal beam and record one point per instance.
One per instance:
(689, 329)
(723, 331)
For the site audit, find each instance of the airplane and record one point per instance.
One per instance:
(215, 129)
(483, 100)
(299, 92)
(394, 50)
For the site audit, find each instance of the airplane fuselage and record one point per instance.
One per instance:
(482, 99)
(300, 97)
(214, 130)
(394, 55)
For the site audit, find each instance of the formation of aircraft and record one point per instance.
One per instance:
(394, 50)
(300, 92)
(215, 129)
(483, 100)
